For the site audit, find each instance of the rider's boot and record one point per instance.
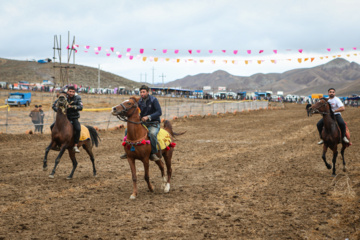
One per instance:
(321, 142)
(124, 156)
(345, 140)
(153, 157)
(76, 149)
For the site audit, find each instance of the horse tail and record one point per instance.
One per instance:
(168, 127)
(94, 136)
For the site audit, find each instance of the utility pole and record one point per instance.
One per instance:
(162, 76)
(153, 76)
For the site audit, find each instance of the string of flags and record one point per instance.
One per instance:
(139, 54)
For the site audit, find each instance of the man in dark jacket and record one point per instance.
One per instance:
(35, 117)
(42, 115)
(75, 105)
(150, 115)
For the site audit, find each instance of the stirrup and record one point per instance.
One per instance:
(321, 142)
(345, 140)
(153, 157)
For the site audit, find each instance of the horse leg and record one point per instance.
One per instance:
(57, 160)
(343, 157)
(167, 158)
(134, 178)
(161, 167)
(324, 157)
(147, 178)
(335, 153)
(45, 157)
(88, 148)
(74, 162)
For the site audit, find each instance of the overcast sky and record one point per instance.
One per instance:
(28, 29)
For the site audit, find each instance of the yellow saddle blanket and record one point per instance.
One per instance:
(163, 138)
(84, 134)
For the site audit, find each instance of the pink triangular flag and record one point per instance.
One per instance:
(261, 51)
(87, 47)
(108, 54)
(354, 48)
(86, 51)
(190, 51)
(248, 51)
(96, 52)
(198, 51)
(112, 49)
(141, 50)
(176, 51)
(224, 51)
(119, 56)
(300, 50)
(328, 49)
(164, 50)
(342, 49)
(275, 51)
(235, 51)
(211, 51)
(67, 47)
(99, 48)
(128, 50)
(131, 57)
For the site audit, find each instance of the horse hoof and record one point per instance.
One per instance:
(333, 175)
(328, 166)
(45, 169)
(167, 188)
(132, 197)
(51, 176)
(344, 169)
(68, 178)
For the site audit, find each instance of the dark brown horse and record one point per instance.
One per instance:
(62, 135)
(331, 134)
(137, 133)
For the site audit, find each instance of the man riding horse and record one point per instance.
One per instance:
(74, 106)
(150, 115)
(337, 107)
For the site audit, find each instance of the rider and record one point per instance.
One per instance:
(150, 115)
(337, 107)
(74, 106)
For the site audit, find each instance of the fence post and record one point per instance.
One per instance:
(7, 114)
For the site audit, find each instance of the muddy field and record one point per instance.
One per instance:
(253, 175)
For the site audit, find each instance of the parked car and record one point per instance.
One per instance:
(18, 99)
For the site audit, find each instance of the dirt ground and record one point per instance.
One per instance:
(253, 175)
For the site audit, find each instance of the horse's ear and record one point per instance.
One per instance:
(326, 99)
(136, 99)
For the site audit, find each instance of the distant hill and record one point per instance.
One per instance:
(13, 71)
(338, 73)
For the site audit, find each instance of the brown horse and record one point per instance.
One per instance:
(62, 135)
(331, 134)
(136, 133)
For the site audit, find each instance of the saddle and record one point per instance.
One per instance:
(163, 138)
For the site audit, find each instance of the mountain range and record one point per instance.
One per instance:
(338, 73)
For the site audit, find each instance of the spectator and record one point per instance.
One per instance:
(42, 115)
(35, 117)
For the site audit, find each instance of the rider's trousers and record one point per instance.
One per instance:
(340, 122)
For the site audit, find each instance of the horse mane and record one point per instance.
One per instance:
(332, 115)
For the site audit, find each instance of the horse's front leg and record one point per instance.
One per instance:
(343, 157)
(335, 153)
(134, 178)
(74, 162)
(57, 160)
(45, 157)
(324, 156)
(147, 177)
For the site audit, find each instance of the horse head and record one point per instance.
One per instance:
(321, 107)
(123, 109)
(62, 102)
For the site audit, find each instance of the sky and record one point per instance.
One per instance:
(29, 27)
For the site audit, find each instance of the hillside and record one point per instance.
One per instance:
(338, 73)
(13, 71)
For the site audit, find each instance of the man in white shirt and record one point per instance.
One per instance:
(337, 107)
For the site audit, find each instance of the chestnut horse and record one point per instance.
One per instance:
(331, 134)
(62, 135)
(128, 111)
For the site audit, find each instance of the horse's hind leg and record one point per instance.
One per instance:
(73, 159)
(88, 148)
(167, 157)
(57, 160)
(335, 153)
(343, 156)
(45, 157)
(162, 170)
(324, 157)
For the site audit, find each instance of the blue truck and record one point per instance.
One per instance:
(18, 99)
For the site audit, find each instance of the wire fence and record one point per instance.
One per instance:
(16, 120)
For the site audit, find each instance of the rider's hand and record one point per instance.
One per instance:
(144, 119)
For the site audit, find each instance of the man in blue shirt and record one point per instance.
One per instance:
(150, 115)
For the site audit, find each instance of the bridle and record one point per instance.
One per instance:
(121, 116)
(321, 105)
(64, 103)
